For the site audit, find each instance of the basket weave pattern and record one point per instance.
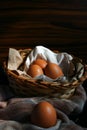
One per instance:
(26, 86)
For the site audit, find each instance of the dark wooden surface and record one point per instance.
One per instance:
(56, 24)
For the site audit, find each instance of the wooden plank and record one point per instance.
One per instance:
(52, 23)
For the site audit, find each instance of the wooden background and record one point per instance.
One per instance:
(56, 24)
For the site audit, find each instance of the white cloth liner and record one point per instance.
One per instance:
(63, 59)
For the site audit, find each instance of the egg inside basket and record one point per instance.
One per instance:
(22, 83)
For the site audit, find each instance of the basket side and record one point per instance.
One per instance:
(28, 87)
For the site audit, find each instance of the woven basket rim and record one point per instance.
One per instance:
(42, 84)
(16, 75)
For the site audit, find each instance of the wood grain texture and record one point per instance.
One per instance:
(56, 24)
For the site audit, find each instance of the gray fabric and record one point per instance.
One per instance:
(15, 115)
(61, 125)
(10, 125)
(33, 127)
(73, 105)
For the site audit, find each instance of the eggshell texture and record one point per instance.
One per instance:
(44, 115)
(35, 70)
(53, 70)
(41, 62)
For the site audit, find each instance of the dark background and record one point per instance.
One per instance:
(56, 24)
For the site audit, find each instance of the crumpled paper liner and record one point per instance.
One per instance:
(63, 59)
(14, 59)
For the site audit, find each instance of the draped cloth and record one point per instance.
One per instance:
(15, 111)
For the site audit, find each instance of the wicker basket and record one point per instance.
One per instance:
(28, 87)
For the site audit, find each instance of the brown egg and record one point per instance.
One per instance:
(53, 70)
(41, 62)
(44, 115)
(34, 70)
